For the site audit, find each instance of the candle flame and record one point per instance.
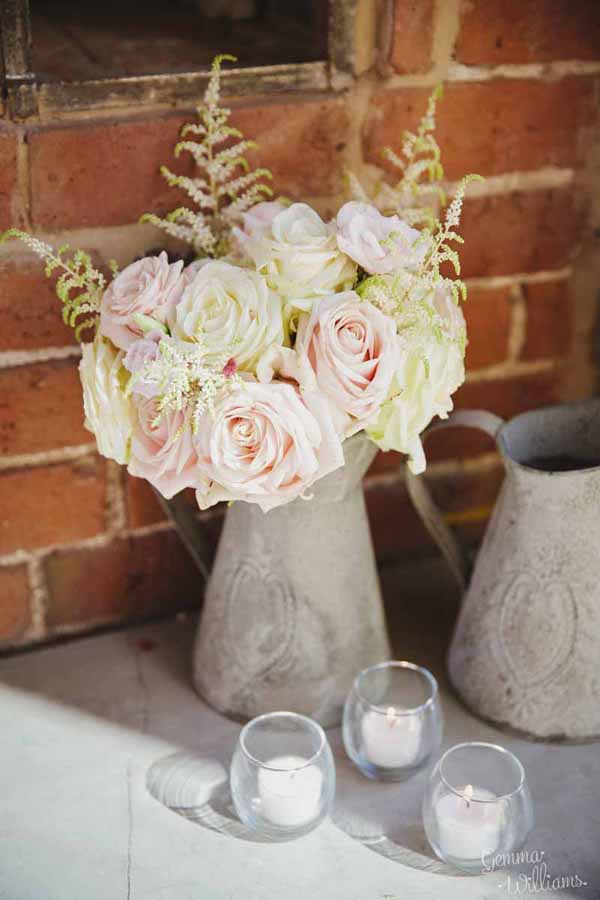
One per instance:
(468, 794)
(391, 716)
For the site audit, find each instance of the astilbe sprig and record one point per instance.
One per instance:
(409, 297)
(79, 285)
(225, 187)
(420, 172)
(187, 379)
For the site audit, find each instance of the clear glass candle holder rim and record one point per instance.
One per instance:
(499, 749)
(314, 726)
(397, 664)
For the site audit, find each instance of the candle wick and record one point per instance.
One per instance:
(468, 795)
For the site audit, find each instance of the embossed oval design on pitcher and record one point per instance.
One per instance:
(260, 611)
(537, 627)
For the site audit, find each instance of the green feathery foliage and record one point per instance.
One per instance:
(226, 186)
(79, 286)
(420, 168)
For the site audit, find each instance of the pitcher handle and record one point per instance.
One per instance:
(423, 501)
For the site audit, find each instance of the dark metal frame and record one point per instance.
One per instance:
(25, 98)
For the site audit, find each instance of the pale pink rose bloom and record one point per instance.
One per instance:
(139, 355)
(149, 287)
(256, 222)
(352, 349)
(378, 243)
(164, 453)
(265, 444)
(260, 216)
(190, 271)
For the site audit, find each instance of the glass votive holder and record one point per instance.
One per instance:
(477, 804)
(392, 720)
(282, 775)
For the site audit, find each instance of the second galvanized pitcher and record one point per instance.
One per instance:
(526, 649)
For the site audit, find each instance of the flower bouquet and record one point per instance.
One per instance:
(242, 373)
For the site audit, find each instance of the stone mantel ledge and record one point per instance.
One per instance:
(87, 726)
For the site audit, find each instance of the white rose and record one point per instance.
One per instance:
(299, 256)
(379, 244)
(430, 372)
(232, 310)
(108, 411)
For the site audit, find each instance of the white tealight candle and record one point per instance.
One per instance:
(391, 740)
(467, 829)
(290, 792)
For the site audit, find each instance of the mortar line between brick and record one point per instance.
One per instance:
(499, 281)
(98, 541)
(116, 514)
(446, 26)
(506, 183)
(510, 369)
(518, 323)
(456, 72)
(38, 598)
(47, 457)
(23, 181)
(10, 359)
(20, 557)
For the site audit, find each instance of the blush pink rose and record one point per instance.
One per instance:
(351, 348)
(256, 222)
(150, 287)
(266, 444)
(163, 454)
(379, 244)
(140, 354)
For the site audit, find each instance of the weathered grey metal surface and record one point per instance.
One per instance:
(84, 727)
(293, 607)
(526, 651)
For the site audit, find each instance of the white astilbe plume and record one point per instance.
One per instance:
(225, 186)
(417, 195)
(186, 380)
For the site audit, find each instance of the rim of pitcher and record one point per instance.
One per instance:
(544, 473)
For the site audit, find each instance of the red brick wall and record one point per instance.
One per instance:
(81, 544)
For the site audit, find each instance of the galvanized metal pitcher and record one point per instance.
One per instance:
(526, 649)
(293, 607)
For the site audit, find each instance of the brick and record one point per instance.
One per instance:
(506, 397)
(8, 178)
(412, 36)
(41, 408)
(30, 311)
(519, 232)
(15, 615)
(51, 505)
(142, 506)
(488, 314)
(107, 173)
(549, 319)
(495, 32)
(465, 498)
(300, 142)
(490, 127)
(130, 578)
